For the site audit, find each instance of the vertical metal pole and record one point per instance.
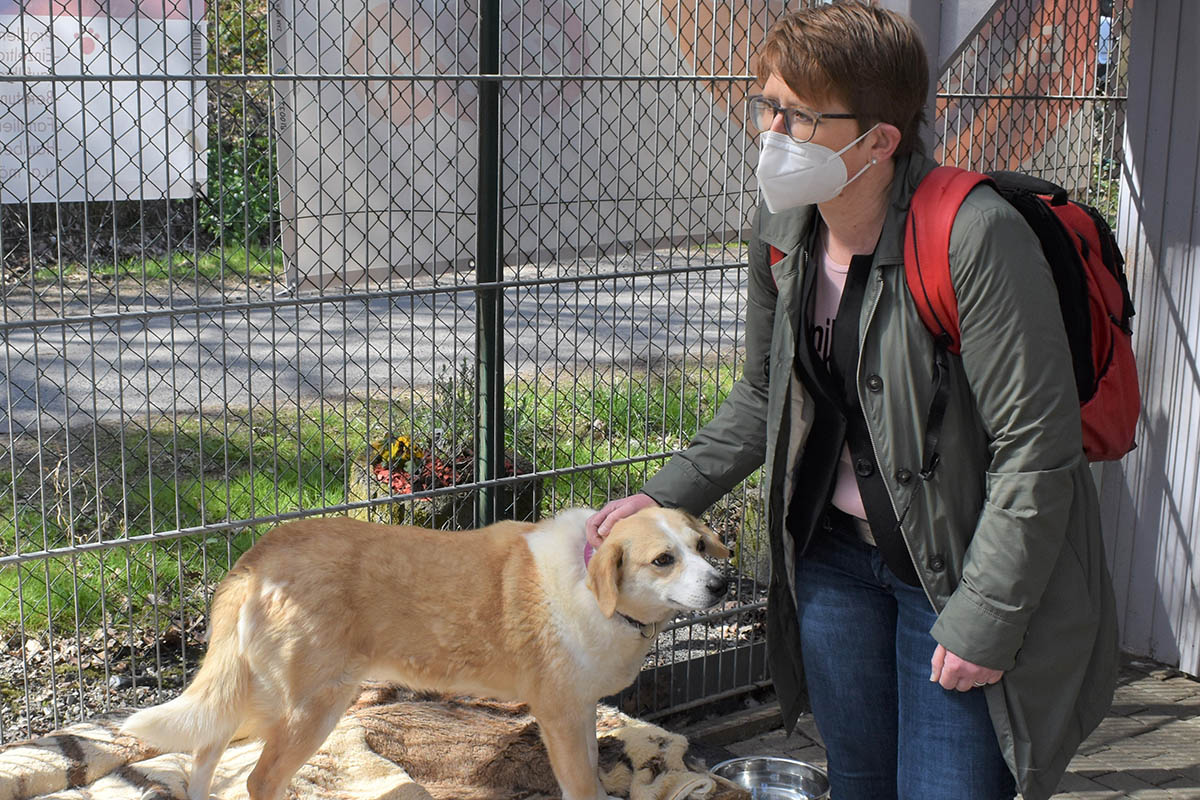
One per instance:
(489, 331)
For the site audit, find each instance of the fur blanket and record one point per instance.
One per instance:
(392, 744)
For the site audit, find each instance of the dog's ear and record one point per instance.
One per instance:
(604, 575)
(713, 546)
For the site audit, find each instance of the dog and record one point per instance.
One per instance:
(509, 611)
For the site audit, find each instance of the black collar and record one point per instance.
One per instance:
(647, 629)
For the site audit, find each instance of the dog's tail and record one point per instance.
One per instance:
(209, 711)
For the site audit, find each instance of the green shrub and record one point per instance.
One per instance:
(242, 204)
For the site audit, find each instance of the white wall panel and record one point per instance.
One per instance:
(1152, 510)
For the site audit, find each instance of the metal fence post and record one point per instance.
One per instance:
(489, 331)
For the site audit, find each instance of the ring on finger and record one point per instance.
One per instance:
(980, 683)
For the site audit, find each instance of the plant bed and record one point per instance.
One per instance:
(397, 469)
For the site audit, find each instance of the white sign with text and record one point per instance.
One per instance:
(109, 126)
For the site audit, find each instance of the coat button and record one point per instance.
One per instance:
(864, 468)
(904, 476)
(936, 563)
(875, 383)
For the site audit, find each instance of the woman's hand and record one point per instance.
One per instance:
(953, 672)
(600, 523)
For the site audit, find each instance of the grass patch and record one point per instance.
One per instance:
(598, 419)
(125, 482)
(232, 263)
(105, 484)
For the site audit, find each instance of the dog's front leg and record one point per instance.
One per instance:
(571, 742)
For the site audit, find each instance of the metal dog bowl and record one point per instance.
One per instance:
(768, 778)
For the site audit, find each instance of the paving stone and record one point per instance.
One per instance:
(1126, 780)
(1089, 763)
(1191, 772)
(1181, 788)
(1166, 749)
(1074, 782)
(1118, 759)
(813, 754)
(1129, 706)
(1090, 747)
(1163, 715)
(1147, 746)
(1175, 688)
(1116, 728)
(773, 743)
(1165, 697)
(1160, 772)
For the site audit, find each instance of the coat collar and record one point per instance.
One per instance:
(787, 229)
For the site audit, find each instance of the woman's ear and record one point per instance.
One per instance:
(883, 141)
(604, 575)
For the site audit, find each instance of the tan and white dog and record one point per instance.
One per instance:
(509, 611)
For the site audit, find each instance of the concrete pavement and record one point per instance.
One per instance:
(73, 363)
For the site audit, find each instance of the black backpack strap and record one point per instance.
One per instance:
(937, 411)
(844, 360)
(876, 500)
(1007, 181)
(1062, 251)
(1110, 253)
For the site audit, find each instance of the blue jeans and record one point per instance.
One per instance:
(889, 731)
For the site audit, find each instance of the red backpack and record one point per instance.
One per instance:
(1092, 292)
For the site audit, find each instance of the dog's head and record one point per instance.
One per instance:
(655, 563)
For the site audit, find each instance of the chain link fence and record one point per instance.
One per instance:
(405, 260)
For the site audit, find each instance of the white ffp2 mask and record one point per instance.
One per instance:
(792, 173)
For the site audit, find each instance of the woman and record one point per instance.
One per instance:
(954, 628)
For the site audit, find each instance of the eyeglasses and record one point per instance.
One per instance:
(799, 123)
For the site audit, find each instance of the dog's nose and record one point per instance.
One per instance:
(717, 585)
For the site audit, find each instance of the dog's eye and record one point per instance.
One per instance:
(700, 546)
(665, 560)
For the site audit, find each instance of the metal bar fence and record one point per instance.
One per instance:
(244, 281)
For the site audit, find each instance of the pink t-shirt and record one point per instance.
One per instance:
(831, 280)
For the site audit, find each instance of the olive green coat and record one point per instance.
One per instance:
(1006, 535)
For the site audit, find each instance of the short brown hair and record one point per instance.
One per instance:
(868, 57)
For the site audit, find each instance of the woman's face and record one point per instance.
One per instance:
(832, 133)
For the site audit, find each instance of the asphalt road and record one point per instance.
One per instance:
(103, 361)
